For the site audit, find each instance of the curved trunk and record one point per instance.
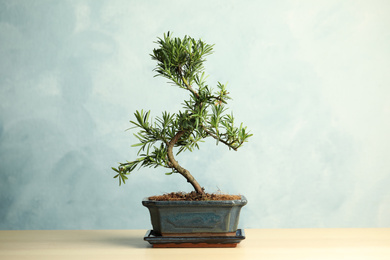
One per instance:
(177, 166)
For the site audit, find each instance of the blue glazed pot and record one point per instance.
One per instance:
(177, 217)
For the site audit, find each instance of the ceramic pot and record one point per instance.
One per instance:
(188, 218)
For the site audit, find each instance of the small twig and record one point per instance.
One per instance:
(219, 139)
(189, 87)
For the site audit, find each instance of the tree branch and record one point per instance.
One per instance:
(219, 139)
(189, 87)
(177, 166)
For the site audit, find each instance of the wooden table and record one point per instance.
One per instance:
(332, 244)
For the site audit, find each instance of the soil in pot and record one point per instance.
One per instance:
(193, 196)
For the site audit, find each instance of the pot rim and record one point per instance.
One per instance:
(243, 201)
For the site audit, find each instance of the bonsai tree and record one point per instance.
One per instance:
(203, 115)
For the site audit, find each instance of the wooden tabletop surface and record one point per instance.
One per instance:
(333, 244)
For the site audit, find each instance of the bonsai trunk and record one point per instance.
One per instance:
(177, 166)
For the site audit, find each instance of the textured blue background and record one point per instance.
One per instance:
(309, 78)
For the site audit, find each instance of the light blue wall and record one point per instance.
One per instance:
(310, 78)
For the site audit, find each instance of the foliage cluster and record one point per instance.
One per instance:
(203, 115)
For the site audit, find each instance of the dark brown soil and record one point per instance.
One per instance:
(193, 196)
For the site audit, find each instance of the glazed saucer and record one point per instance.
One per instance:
(206, 241)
